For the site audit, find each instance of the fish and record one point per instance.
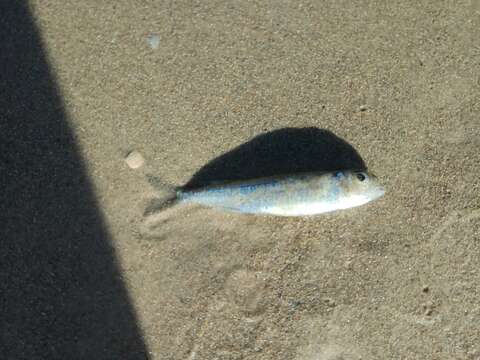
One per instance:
(303, 194)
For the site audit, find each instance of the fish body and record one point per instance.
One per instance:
(289, 195)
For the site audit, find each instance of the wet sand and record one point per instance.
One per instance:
(395, 279)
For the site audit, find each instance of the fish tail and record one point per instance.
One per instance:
(166, 196)
(158, 183)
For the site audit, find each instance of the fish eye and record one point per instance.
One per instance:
(361, 176)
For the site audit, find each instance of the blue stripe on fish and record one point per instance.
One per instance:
(248, 188)
(244, 188)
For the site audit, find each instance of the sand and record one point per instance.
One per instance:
(398, 81)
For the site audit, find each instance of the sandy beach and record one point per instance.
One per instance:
(228, 90)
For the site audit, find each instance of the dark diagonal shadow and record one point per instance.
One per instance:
(61, 293)
(283, 151)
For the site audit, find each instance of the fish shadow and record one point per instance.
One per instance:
(283, 151)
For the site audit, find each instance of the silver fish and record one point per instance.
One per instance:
(289, 195)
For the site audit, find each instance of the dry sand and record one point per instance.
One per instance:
(399, 81)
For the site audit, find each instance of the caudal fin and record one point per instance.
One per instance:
(165, 197)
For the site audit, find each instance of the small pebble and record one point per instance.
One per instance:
(330, 302)
(363, 107)
(427, 308)
(134, 160)
(153, 40)
(425, 289)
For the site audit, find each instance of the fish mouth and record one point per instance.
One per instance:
(379, 192)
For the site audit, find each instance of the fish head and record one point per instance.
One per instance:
(362, 185)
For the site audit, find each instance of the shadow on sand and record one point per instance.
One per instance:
(283, 151)
(61, 290)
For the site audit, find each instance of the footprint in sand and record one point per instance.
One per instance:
(329, 352)
(247, 290)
